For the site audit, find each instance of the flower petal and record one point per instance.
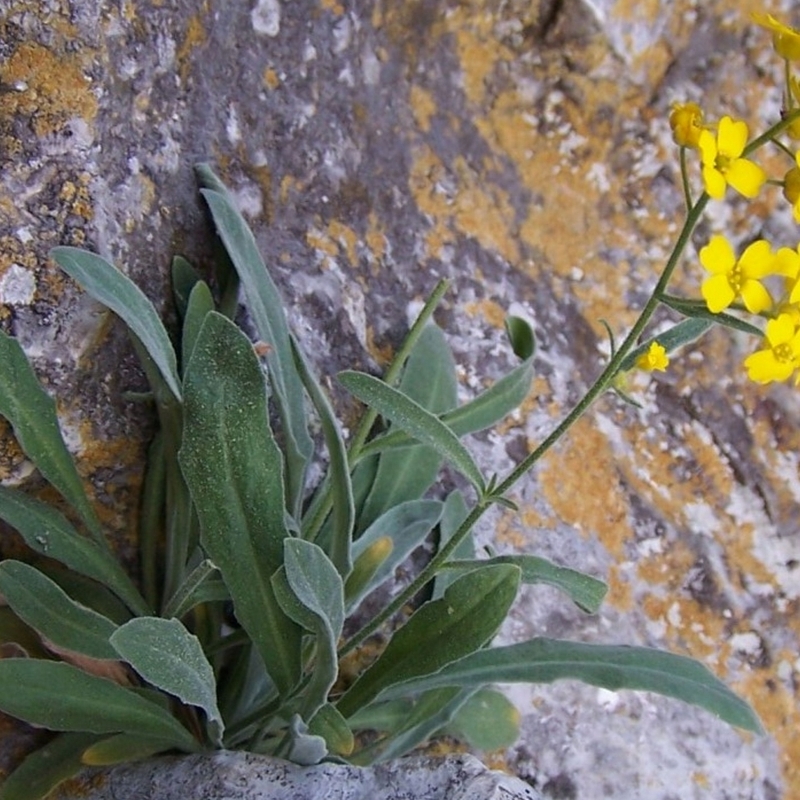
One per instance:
(780, 330)
(714, 183)
(763, 367)
(746, 177)
(717, 293)
(756, 297)
(718, 256)
(731, 137)
(757, 260)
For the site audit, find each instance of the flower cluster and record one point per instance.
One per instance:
(761, 280)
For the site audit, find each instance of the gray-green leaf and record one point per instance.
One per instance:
(411, 417)
(106, 284)
(49, 610)
(170, 658)
(609, 666)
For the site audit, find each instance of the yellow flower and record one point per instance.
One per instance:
(686, 121)
(785, 40)
(781, 356)
(722, 162)
(655, 359)
(731, 278)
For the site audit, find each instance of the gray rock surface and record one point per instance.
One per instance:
(521, 149)
(245, 776)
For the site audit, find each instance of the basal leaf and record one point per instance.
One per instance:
(58, 696)
(333, 728)
(440, 631)
(266, 308)
(609, 666)
(412, 418)
(170, 658)
(406, 527)
(199, 303)
(315, 584)
(44, 606)
(106, 284)
(44, 769)
(234, 471)
(201, 585)
(32, 414)
(488, 720)
(48, 532)
(123, 748)
(342, 491)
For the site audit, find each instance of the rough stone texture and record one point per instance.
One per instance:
(245, 776)
(521, 149)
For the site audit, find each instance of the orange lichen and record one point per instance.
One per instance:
(270, 78)
(585, 468)
(48, 88)
(423, 107)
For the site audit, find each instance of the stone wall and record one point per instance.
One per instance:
(522, 150)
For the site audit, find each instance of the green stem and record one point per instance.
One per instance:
(597, 388)
(687, 192)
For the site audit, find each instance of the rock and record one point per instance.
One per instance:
(246, 776)
(521, 149)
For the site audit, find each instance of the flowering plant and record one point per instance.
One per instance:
(250, 629)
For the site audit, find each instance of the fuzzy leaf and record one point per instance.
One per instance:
(170, 658)
(234, 470)
(106, 284)
(412, 418)
(266, 308)
(32, 414)
(61, 697)
(43, 605)
(48, 532)
(609, 666)
(440, 631)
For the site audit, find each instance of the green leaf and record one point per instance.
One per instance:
(305, 748)
(427, 715)
(454, 513)
(699, 309)
(339, 470)
(612, 667)
(685, 332)
(47, 531)
(234, 471)
(440, 631)
(312, 581)
(201, 585)
(487, 721)
(122, 748)
(406, 526)
(429, 378)
(44, 769)
(32, 414)
(422, 425)
(116, 291)
(184, 278)
(170, 658)
(266, 308)
(43, 605)
(586, 592)
(200, 303)
(520, 334)
(333, 728)
(61, 697)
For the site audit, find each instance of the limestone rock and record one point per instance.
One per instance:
(520, 148)
(246, 776)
